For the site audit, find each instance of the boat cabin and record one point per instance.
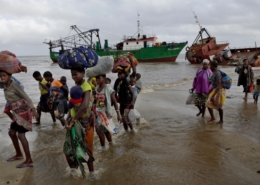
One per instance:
(134, 44)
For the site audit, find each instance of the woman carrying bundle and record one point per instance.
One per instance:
(23, 110)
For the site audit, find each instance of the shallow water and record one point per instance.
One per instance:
(171, 146)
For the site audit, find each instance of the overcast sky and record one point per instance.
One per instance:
(24, 24)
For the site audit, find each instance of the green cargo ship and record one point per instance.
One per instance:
(145, 49)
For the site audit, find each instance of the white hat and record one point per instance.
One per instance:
(205, 61)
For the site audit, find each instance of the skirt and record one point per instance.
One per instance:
(218, 100)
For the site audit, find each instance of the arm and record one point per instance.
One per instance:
(65, 91)
(218, 88)
(44, 86)
(133, 66)
(132, 95)
(251, 75)
(115, 105)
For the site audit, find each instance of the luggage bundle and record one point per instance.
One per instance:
(9, 63)
(104, 66)
(122, 62)
(78, 57)
(226, 81)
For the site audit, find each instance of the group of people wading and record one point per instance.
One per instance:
(208, 84)
(86, 106)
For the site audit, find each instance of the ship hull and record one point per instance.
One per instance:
(150, 54)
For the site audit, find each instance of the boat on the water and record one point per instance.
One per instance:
(144, 48)
(206, 47)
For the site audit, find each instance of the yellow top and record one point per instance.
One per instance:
(42, 90)
(85, 87)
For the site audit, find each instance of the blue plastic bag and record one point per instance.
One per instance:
(226, 81)
(78, 57)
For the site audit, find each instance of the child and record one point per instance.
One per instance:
(125, 96)
(108, 81)
(44, 90)
(138, 83)
(22, 108)
(59, 93)
(105, 95)
(63, 80)
(89, 120)
(134, 88)
(256, 91)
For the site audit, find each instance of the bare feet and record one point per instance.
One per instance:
(245, 99)
(25, 165)
(211, 120)
(220, 122)
(198, 114)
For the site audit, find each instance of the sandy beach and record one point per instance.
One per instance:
(171, 146)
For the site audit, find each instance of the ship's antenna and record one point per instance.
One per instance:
(197, 20)
(138, 25)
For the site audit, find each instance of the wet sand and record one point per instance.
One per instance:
(172, 147)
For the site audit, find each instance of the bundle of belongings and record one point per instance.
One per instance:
(123, 62)
(78, 57)
(10, 64)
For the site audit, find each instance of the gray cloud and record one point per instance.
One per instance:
(26, 23)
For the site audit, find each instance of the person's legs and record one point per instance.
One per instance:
(53, 116)
(108, 136)
(211, 115)
(101, 137)
(13, 136)
(256, 98)
(26, 149)
(220, 115)
(38, 121)
(203, 110)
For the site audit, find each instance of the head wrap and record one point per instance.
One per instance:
(206, 61)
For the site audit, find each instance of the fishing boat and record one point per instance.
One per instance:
(145, 48)
(206, 47)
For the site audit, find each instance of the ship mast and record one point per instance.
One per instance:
(197, 20)
(138, 25)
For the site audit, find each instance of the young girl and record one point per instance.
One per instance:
(125, 96)
(256, 90)
(22, 109)
(104, 96)
(88, 121)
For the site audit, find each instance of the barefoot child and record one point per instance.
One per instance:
(125, 96)
(22, 108)
(83, 114)
(59, 94)
(104, 96)
(44, 90)
(256, 90)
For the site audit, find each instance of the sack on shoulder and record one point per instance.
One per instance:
(226, 81)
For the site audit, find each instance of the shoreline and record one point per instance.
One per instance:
(168, 104)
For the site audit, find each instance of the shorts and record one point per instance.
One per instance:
(18, 128)
(256, 93)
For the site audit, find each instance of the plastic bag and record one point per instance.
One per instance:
(78, 57)
(191, 99)
(103, 66)
(133, 115)
(9, 64)
(251, 88)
